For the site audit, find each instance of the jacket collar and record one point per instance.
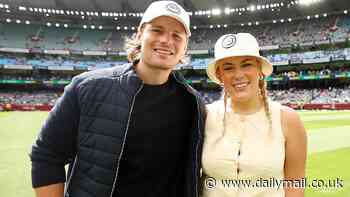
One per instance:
(131, 82)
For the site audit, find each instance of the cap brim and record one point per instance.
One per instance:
(187, 30)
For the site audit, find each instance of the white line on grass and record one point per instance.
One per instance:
(326, 139)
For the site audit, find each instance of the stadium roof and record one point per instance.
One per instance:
(109, 11)
(91, 5)
(140, 5)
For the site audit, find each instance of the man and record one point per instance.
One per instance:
(130, 131)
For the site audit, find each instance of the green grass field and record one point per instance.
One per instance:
(328, 147)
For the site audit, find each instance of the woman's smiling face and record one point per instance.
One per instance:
(240, 76)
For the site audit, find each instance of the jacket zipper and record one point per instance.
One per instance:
(126, 131)
(70, 176)
(198, 128)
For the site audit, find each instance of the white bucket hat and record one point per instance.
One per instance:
(235, 45)
(167, 8)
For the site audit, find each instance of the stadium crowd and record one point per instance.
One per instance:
(297, 73)
(322, 29)
(293, 73)
(322, 71)
(30, 98)
(50, 77)
(43, 60)
(295, 32)
(298, 96)
(312, 96)
(290, 96)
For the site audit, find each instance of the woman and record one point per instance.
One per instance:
(251, 144)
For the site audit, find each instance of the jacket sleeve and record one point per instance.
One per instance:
(55, 145)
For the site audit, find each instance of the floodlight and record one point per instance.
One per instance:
(227, 11)
(252, 8)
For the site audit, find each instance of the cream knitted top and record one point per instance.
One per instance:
(246, 159)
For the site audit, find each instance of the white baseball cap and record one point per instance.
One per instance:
(167, 8)
(236, 45)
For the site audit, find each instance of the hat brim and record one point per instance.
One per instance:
(211, 72)
(266, 68)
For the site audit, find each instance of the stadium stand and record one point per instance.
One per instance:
(295, 32)
(332, 28)
(313, 96)
(297, 96)
(291, 96)
(311, 76)
(63, 61)
(34, 98)
(36, 36)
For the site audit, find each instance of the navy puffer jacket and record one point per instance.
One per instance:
(88, 127)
